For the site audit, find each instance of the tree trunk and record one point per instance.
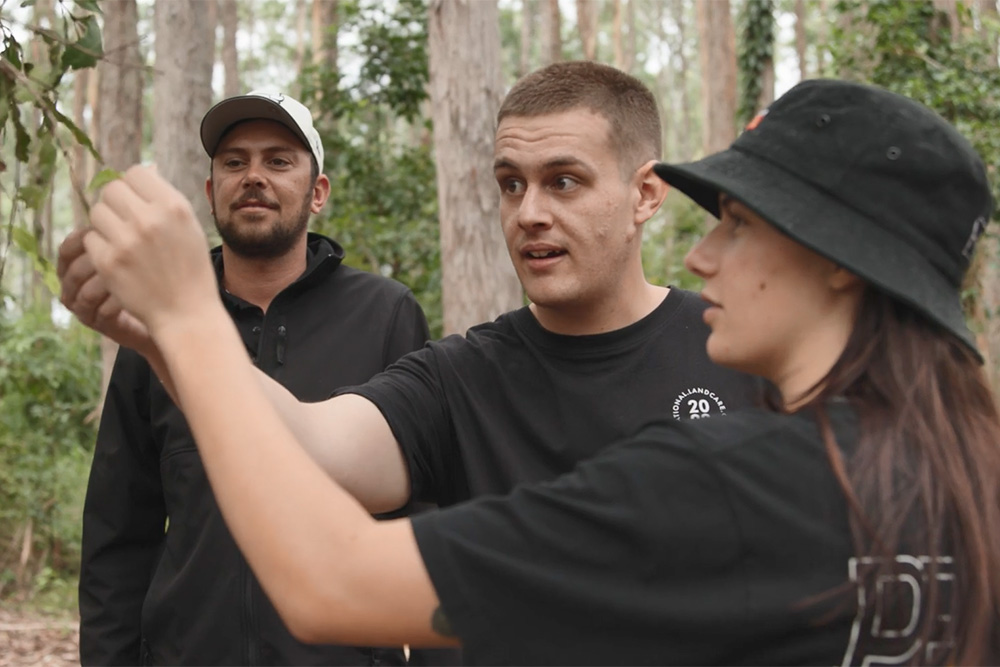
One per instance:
(36, 293)
(586, 22)
(478, 281)
(616, 34)
(119, 125)
(988, 12)
(301, 19)
(629, 62)
(717, 52)
(800, 38)
(528, 14)
(80, 173)
(230, 20)
(551, 29)
(766, 86)
(950, 10)
(324, 33)
(182, 92)
(683, 74)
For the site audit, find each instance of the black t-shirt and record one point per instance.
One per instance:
(512, 402)
(694, 543)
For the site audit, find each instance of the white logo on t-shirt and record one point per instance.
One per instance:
(697, 403)
(873, 641)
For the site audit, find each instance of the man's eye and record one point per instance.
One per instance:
(233, 163)
(512, 186)
(280, 161)
(565, 183)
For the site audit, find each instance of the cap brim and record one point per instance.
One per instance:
(228, 112)
(824, 224)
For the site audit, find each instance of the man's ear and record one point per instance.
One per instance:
(208, 194)
(652, 191)
(321, 192)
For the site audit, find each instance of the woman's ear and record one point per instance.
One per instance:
(841, 279)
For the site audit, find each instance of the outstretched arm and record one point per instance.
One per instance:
(333, 572)
(347, 436)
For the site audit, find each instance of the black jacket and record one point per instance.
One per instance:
(162, 581)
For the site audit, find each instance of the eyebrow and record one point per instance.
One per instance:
(267, 149)
(554, 163)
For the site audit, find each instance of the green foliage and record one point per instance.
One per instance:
(49, 379)
(383, 201)
(907, 47)
(756, 51)
(667, 238)
(30, 85)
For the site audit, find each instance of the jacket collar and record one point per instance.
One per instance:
(323, 256)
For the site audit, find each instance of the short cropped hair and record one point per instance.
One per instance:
(624, 101)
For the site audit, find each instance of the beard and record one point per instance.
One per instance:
(259, 242)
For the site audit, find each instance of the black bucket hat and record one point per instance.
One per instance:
(872, 180)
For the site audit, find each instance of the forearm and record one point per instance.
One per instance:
(313, 547)
(350, 441)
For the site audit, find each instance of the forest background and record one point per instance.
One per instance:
(404, 93)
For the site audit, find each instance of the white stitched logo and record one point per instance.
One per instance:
(978, 227)
(697, 403)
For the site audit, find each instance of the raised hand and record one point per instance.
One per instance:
(85, 294)
(149, 251)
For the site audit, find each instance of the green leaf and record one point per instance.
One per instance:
(85, 51)
(33, 197)
(22, 138)
(25, 241)
(89, 5)
(78, 134)
(102, 178)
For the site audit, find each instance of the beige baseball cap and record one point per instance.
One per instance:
(261, 104)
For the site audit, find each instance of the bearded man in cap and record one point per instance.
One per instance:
(162, 581)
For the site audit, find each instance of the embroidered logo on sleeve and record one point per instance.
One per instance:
(698, 403)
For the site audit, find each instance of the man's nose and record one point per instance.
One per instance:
(534, 210)
(254, 176)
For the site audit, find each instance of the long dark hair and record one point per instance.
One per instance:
(924, 476)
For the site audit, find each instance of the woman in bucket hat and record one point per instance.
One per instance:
(855, 522)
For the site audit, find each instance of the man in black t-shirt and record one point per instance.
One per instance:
(596, 354)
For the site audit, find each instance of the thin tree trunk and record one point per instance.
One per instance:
(616, 34)
(586, 22)
(950, 9)
(230, 20)
(665, 87)
(800, 38)
(629, 62)
(79, 175)
(988, 13)
(823, 46)
(182, 91)
(324, 33)
(685, 149)
(119, 125)
(551, 29)
(41, 220)
(717, 51)
(478, 282)
(301, 19)
(528, 13)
